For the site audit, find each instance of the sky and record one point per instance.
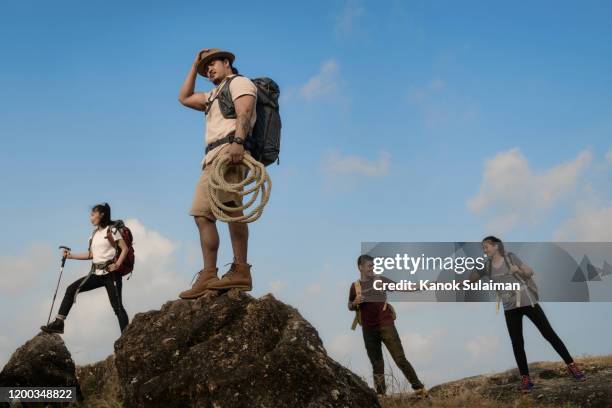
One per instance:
(402, 121)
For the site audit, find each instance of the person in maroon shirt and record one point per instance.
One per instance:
(377, 321)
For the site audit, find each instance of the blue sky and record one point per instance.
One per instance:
(397, 118)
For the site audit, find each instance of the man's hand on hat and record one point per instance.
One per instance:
(198, 57)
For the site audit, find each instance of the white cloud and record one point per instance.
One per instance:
(512, 192)
(336, 164)
(348, 20)
(345, 172)
(19, 271)
(588, 224)
(482, 347)
(323, 84)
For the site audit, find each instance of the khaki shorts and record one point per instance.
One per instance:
(201, 204)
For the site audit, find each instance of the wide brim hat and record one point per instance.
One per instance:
(209, 54)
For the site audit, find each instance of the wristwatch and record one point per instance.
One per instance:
(237, 140)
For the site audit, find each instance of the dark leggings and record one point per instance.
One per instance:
(111, 281)
(514, 321)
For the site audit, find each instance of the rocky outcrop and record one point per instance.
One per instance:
(100, 383)
(42, 361)
(231, 350)
(553, 388)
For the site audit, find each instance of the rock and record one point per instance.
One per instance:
(221, 351)
(99, 383)
(553, 387)
(42, 361)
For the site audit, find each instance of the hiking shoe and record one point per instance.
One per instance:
(576, 372)
(526, 385)
(56, 326)
(238, 277)
(421, 393)
(201, 285)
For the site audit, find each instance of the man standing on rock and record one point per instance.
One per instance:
(377, 318)
(223, 136)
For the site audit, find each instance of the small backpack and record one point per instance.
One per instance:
(357, 319)
(264, 142)
(529, 283)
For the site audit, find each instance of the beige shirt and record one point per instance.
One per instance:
(217, 127)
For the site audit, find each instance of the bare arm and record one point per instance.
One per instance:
(244, 106)
(187, 97)
(124, 252)
(244, 111)
(524, 270)
(354, 300)
(84, 256)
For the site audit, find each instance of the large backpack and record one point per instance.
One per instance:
(264, 141)
(128, 264)
(126, 234)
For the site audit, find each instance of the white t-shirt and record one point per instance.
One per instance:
(217, 127)
(101, 249)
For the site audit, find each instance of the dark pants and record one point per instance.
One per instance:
(373, 339)
(514, 321)
(111, 281)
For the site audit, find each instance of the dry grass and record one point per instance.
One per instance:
(465, 398)
(468, 392)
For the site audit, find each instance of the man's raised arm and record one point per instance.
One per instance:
(187, 96)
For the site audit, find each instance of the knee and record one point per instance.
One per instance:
(238, 227)
(72, 288)
(202, 221)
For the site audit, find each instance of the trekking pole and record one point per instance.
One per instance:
(58, 282)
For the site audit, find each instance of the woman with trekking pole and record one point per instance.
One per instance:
(508, 268)
(110, 256)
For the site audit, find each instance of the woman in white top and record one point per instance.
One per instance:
(507, 267)
(103, 254)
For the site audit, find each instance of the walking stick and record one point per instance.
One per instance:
(58, 282)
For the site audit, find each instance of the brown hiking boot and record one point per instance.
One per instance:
(201, 285)
(238, 277)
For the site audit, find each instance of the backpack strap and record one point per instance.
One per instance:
(215, 95)
(91, 239)
(522, 280)
(111, 240)
(357, 318)
(109, 236)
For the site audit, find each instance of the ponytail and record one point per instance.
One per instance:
(105, 210)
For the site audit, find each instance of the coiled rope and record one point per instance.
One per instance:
(256, 182)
